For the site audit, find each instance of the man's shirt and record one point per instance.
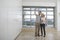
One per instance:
(37, 18)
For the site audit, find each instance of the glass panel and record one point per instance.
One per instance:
(49, 17)
(33, 18)
(50, 13)
(37, 9)
(27, 22)
(26, 12)
(24, 23)
(32, 12)
(26, 16)
(26, 19)
(42, 9)
(36, 12)
(32, 8)
(49, 8)
(50, 21)
(26, 8)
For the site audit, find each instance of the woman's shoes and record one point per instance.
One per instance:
(44, 35)
(39, 35)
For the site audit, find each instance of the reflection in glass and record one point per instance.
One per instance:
(26, 12)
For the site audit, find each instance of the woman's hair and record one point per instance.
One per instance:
(42, 15)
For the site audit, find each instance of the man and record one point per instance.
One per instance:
(37, 24)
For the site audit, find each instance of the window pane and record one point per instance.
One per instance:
(49, 17)
(33, 16)
(26, 12)
(26, 16)
(32, 8)
(26, 19)
(50, 21)
(49, 8)
(27, 22)
(32, 12)
(26, 8)
(42, 9)
(37, 9)
(37, 12)
(50, 13)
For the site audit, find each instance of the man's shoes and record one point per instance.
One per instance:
(39, 35)
(35, 35)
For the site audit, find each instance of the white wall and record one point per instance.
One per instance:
(58, 15)
(39, 3)
(10, 19)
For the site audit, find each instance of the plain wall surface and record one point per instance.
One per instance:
(10, 19)
(58, 15)
(39, 3)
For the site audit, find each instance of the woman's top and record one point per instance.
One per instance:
(43, 20)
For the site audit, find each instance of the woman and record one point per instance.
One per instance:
(42, 24)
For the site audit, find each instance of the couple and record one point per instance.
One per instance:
(40, 24)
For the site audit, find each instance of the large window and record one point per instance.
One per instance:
(29, 16)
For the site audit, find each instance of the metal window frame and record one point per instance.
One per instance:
(36, 10)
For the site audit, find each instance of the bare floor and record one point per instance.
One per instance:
(29, 34)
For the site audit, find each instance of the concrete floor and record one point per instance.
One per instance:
(29, 34)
